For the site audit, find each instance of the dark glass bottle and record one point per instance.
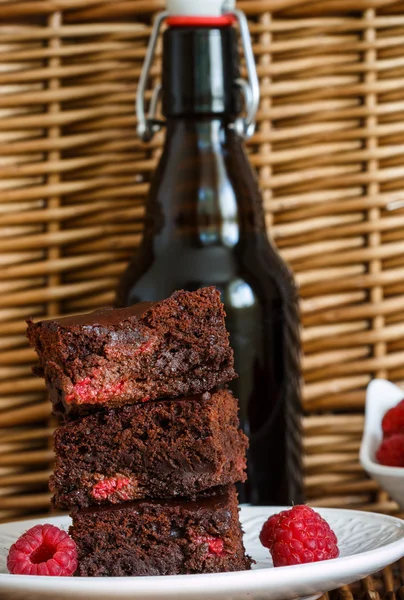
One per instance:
(205, 226)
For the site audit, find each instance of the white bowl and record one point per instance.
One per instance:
(380, 396)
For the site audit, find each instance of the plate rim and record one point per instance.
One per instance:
(254, 580)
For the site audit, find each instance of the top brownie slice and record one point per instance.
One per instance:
(149, 351)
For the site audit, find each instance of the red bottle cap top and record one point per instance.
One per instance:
(200, 21)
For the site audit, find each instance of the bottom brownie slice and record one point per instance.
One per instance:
(170, 537)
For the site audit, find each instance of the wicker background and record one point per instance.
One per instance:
(329, 151)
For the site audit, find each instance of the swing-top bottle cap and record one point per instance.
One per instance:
(200, 72)
(199, 8)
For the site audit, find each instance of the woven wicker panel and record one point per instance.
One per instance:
(329, 152)
(385, 585)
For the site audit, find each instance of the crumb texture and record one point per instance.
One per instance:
(157, 538)
(158, 449)
(171, 348)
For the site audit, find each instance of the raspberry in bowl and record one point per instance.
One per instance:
(381, 441)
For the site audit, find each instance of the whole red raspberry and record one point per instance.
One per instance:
(393, 420)
(298, 535)
(391, 451)
(267, 531)
(43, 550)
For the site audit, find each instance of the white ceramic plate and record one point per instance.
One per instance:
(381, 395)
(367, 541)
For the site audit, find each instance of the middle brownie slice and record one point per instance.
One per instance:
(153, 450)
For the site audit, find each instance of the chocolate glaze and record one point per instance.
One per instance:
(104, 316)
(214, 501)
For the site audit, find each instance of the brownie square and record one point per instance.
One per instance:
(157, 450)
(112, 357)
(156, 537)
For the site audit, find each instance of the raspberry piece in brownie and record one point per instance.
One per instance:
(156, 537)
(149, 351)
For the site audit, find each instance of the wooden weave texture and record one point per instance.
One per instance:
(385, 585)
(329, 152)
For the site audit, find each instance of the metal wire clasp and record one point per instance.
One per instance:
(251, 87)
(150, 125)
(147, 126)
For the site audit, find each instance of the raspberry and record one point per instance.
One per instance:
(391, 451)
(393, 420)
(106, 487)
(298, 535)
(88, 391)
(215, 546)
(43, 550)
(267, 531)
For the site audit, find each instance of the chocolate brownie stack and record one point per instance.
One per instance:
(150, 446)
